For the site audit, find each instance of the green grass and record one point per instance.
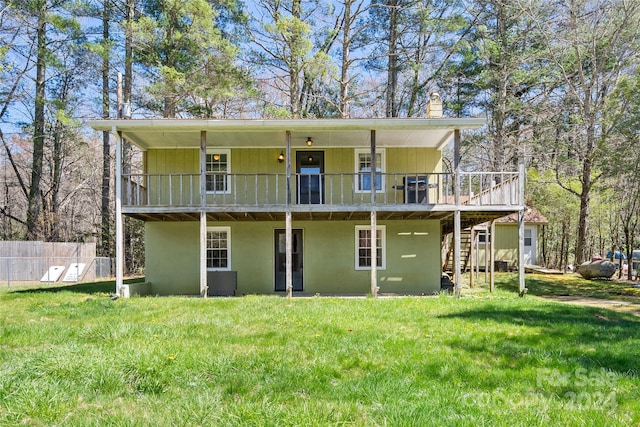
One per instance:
(569, 284)
(74, 358)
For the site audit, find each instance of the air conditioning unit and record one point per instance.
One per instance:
(222, 283)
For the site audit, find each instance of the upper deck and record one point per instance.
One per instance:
(315, 169)
(422, 195)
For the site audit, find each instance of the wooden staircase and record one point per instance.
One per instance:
(465, 251)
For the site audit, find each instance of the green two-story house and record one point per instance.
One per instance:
(330, 206)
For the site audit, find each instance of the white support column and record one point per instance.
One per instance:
(521, 287)
(473, 252)
(289, 257)
(374, 255)
(119, 218)
(374, 219)
(487, 236)
(203, 215)
(521, 283)
(288, 225)
(492, 252)
(456, 252)
(456, 213)
(204, 286)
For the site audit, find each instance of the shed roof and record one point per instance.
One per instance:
(531, 216)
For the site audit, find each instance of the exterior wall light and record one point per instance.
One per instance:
(281, 157)
(309, 141)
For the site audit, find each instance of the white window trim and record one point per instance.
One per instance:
(381, 167)
(529, 237)
(383, 230)
(226, 151)
(228, 231)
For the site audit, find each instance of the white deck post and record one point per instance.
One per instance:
(492, 253)
(119, 219)
(473, 252)
(456, 213)
(486, 251)
(374, 219)
(203, 215)
(521, 283)
(288, 230)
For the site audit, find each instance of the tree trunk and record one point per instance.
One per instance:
(105, 211)
(33, 208)
(346, 50)
(502, 75)
(392, 70)
(295, 64)
(128, 59)
(53, 234)
(562, 262)
(582, 247)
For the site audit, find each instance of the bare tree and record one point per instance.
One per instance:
(283, 33)
(590, 44)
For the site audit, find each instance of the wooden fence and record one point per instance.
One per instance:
(51, 262)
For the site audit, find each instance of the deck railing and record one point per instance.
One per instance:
(339, 189)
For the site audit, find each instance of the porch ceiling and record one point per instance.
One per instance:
(326, 133)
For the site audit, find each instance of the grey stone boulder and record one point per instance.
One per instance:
(597, 269)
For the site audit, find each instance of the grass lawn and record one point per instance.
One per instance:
(75, 358)
(571, 284)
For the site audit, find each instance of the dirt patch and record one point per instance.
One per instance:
(614, 305)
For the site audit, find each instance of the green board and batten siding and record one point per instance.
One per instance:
(172, 248)
(329, 257)
(264, 160)
(506, 246)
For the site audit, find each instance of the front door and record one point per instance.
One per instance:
(310, 167)
(281, 259)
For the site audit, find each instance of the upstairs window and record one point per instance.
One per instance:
(218, 169)
(363, 169)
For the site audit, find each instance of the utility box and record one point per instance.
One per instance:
(501, 266)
